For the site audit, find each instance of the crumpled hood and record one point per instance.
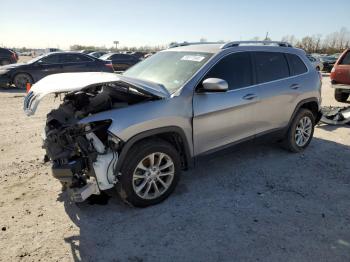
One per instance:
(71, 82)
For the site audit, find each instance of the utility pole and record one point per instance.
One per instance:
(267, 36)
(116, 44)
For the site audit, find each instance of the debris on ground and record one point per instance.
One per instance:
(335, 115)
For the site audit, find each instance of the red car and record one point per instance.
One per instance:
(340, 77)
(7, 56)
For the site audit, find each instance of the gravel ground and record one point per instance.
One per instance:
(254, 202)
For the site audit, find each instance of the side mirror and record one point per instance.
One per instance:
(214, 85)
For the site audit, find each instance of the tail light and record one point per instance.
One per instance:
(14, 55)
(109, 65)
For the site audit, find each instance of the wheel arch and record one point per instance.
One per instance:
(310, 103)
(21, 72)
(172, 134)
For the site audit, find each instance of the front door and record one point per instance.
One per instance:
(221, 118)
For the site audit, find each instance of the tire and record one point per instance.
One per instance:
(293, 140)
(137, 186)
(4, 62)
(20, 80)
(340, 96)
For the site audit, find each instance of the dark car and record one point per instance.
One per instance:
(121, 62)
(8, 56)
(98, 54)
(328, 62)
(87, 51)
(52, 63)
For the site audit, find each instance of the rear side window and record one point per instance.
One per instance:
(236, 69)
(73, 58)
(270, 66)
(50, 59)
(346, 59)
(296, 65)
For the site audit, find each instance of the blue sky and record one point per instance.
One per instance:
(50, 23)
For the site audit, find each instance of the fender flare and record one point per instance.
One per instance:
(300, 104)
(154, 132)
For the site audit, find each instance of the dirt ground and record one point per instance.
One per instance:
(254, 202)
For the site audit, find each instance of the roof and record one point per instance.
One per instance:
(217, 47)
(205, 48)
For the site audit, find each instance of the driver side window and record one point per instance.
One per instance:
(235, 69)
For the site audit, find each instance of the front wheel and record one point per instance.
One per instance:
(21, 80)
(150, 173)
(300, 131)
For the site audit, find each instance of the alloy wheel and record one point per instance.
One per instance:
(303, 131)
(153, 175)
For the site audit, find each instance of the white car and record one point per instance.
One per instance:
(316, 62)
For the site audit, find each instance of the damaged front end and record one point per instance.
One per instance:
(84, 155)
(80, 160)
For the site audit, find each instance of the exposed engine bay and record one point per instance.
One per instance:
(84, 156)
(83, 152)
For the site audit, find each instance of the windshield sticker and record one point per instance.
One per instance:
(195, 58)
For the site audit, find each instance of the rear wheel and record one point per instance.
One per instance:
(301, 131)
(340, 96)
(21, 80)
(150, 173)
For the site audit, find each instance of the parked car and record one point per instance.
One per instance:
(98, 54)
(121, 62)
(138, 130)
(328, 62)
(139, 55)
(7, 56)
(51, 50)
(52, 63)
(340, 77)
(316, 62)
(87, 51)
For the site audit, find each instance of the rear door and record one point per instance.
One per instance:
(341, 72)
(278, 88)
(221, 118)
(76, 63)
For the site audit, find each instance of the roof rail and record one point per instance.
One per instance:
(192, 43)
(238, 43)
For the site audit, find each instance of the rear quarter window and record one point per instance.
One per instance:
(270, 66)
(296, 65)
(346, 59)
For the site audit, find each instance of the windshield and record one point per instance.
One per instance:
(170, 68)
(106, 56)
(36, 59)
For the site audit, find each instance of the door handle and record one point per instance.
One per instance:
(249, 96)
(294, 86)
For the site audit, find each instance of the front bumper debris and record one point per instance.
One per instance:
(82, 193)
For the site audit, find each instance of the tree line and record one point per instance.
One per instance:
(335, 42)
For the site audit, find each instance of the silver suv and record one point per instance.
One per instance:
(138, 130)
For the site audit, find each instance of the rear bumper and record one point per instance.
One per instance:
(344, 87)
